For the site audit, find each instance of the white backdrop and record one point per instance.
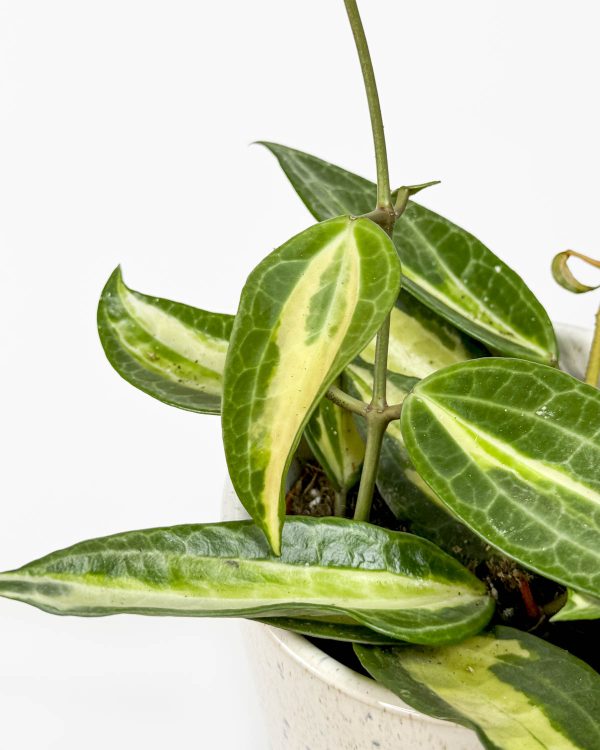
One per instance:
(124, 138)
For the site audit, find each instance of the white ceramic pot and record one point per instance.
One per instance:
(313, 702)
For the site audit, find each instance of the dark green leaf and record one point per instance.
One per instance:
(444, 266)
(513, 448)
(331, 631)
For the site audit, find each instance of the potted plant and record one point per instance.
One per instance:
(443, 517)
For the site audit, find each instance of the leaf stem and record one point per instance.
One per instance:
(380, 366)
(384, 197)
(375, 431)
(385, 216)
(346, 401)
(592, 373)
(339, 509)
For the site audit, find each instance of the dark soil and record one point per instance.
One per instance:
(524, 600)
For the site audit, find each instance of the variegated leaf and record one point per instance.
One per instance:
(579, 607)
(515, 690)
(513, 448)
(422, 342)
(305, 312)
(445, 267)
(342, 571)
(409, 498)
(334, 439)
(173, 352)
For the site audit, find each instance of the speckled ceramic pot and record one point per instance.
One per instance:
(316, 703)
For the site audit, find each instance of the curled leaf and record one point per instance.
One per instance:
(564, 276)
(173, 352)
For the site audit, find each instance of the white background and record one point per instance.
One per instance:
(124, 138)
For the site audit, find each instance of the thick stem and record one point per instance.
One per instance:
(375, 432)
(592, 374)
(384, 197)
(380, 366)
(339, 508)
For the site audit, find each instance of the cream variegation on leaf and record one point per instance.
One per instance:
(305, 312)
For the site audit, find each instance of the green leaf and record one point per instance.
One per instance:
(445, 267)
(396, 584)
(513, 448)
(171, 351)
(409, 498)
(334, 439)
(331, 631)
(578, 607)
(305, 312)
(515, 690)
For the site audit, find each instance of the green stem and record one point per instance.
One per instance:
(339, 509)
(380, 366)
(592, 374)
(339, 397)
(385, 216)
(376, 427)
(384, 197)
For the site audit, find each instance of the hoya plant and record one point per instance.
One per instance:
(422, 481)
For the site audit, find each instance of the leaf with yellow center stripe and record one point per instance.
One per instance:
(513, 449)
(305, 312)
(336, 443)
(331, 570)
(515, 690)
(173, 352)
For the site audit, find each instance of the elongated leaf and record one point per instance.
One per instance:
(515, 690)
(409, 498)
(578, 607)
(513, 448)
(393, 583)
(171, 351)
(445, 267)
(331, 631)
(335, 441)
(305, 312)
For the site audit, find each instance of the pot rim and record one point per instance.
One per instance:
(343, 678)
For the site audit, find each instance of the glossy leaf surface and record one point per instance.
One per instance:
(579, 607)
(515, 690)
(305, 312)
(173, 352)
(445, 267)
(396, 584)
(336, 443)
(409, 498)
(513, 448)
